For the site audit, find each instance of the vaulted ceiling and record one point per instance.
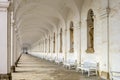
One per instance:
(36, 18)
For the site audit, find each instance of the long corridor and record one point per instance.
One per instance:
(32, 68)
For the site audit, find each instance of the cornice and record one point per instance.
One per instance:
(104, 12)
(4, 5)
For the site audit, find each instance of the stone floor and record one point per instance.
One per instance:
(32, 68)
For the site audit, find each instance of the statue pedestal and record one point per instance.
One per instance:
(90, 50)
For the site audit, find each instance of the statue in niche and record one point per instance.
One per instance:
(90, 27)
(71, 37)
(71, 40)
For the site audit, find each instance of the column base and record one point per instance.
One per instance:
(12, 68)
(71, 50)
(105, 75)
(5, 76)
(16, 64)
(18, 60)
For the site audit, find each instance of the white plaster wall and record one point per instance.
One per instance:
(114, 36)
(3, 42)
(3, 0)
(75, 18)
(100, 33)
(66, 39)
(101, 39)
(9, 40)
(36, 48)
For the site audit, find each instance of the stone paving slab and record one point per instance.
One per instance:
(32, 68)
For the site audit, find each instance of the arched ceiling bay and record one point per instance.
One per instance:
(35, 19)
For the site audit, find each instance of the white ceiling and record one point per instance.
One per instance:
(36, 18)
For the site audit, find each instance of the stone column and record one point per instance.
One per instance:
(47, 45)
(65, 45)
(12, 46)
(57, 44)
(105, 65)
(77, 43)
(4, 55)
(44, 46)
(51, 46)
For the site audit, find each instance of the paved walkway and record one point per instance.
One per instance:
(32, 68)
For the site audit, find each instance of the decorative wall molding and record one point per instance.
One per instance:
(77, 25)
(4, 6)
(104, 12)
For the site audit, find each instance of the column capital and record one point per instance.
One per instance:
(4, 5)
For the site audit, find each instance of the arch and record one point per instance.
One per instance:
(61, 42)
(90, 31)
(71, 37)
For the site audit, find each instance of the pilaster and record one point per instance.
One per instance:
(4, 45)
